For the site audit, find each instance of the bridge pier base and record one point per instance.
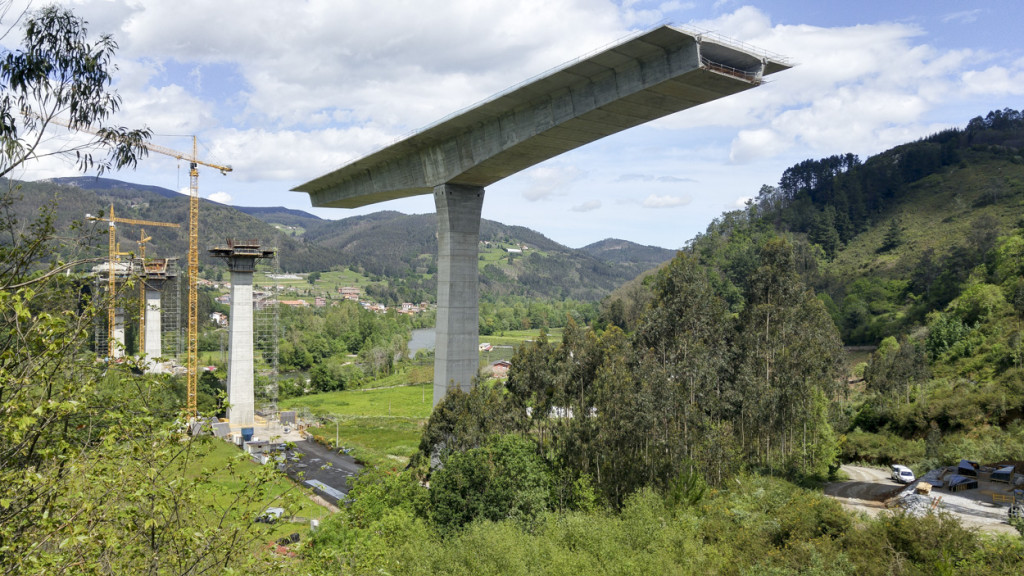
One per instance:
(457, 351)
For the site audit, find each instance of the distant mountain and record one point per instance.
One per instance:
(110, 185)
(79, 196)
(624, 251)
(386, 245)
(280, 215)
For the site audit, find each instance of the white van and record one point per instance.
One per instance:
(902, 474)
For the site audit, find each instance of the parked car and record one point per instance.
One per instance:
(270, 515)
(902, 474)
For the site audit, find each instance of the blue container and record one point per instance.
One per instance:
(246, 434)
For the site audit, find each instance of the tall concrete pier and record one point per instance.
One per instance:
(648, 76)
(117, 346)
(157, 273)
(241, 257)
(152, 318)
(456, 354)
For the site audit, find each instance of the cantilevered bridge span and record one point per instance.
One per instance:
(645, 77)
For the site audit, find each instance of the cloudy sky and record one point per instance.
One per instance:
(287, 90)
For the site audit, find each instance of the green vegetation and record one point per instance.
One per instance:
(697, 390)
(674, 429)
(398, 401)
(756, 525)
(97, 476)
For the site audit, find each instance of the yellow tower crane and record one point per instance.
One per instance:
(193, 251)
(114, 254)
(193, 261)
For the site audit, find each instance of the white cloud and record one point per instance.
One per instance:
(399, 64)
(652, 178)
(963, 17)
(858, 88)
(222, 197)
(588, 206)
(995, 80)
(549, 180)
(667, 201)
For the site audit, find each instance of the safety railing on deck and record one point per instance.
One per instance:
(708, 64)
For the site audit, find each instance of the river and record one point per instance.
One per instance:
(422, 339)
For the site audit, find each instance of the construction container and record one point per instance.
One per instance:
(247, 434)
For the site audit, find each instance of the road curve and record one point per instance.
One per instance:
(867, 486)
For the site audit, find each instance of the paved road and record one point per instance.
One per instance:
(322, 469)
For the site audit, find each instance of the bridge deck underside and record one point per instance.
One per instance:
(651, 76)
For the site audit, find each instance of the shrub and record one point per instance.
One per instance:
(504, 478)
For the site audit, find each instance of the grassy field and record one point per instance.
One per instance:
(381, 423)
(225, 485)
(381, 426)
(375, 440)
(399, 401)
(517, 337)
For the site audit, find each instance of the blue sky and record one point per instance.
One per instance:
(285, 91)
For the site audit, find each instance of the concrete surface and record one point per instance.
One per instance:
(322, 469)
(456, 348)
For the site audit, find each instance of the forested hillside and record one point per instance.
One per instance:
(77, 197)
(919, 251)
(397, 249)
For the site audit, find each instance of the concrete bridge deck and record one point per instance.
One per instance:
(645, 77)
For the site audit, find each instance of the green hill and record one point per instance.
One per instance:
(389, 247)
(919, 251)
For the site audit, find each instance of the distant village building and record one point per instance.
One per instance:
(320, 302)
(219, 318)
(500, 369)
(409, 308)
(264, 303)
(349, 293)
(294, 303)
(223, 299)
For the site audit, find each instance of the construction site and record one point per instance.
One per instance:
(147, 320)
(979, 496)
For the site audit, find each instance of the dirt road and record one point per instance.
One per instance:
(866, 490)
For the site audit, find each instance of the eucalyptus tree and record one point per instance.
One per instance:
(787, 350)
(682, 355)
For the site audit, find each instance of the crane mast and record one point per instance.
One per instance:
(114, 253)
(193, 283)
(193, 262)
(193, 251)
